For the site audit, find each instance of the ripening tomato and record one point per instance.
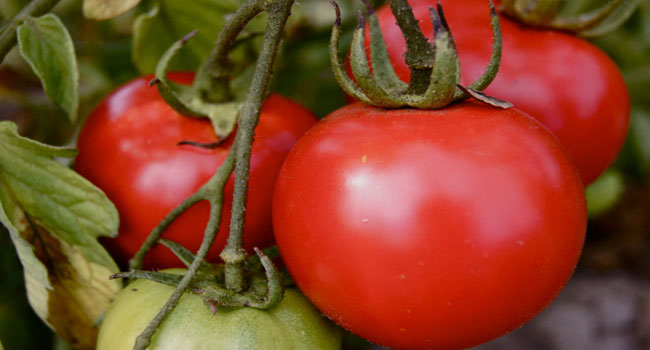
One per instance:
(565, 82)
(294, 324)
(429, 229)
(128, 148)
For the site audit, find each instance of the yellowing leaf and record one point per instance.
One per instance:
(106, 9)
(54, 217)
(75, 292)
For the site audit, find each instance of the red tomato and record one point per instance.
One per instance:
(429, 229)
(128, 148)
(568, 84)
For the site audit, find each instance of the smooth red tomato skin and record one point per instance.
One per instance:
(128, 148)
(565, 82)
(429, 229)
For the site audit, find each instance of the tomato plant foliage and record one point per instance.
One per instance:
(413, 229)
(429, 229)
(129, 148)
(565, 82)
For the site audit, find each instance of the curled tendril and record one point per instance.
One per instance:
(435, 79)
(274, 287)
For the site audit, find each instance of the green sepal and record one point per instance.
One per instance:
(156, 276)
(446, 69)
(187, 257)
(361, 71)
(178, 96)
(480, 96)
(385, 74)
(495, 59)
(274, 287)
(264, 291)
(434, 87)
(188, 101)
(338, 64)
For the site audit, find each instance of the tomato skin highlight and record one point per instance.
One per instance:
(565, 82)
(294, 324)
(128, 148)
(429, 229)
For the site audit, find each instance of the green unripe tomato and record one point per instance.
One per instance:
(293, 324)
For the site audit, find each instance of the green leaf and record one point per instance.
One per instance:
(54, 217)
(168, 21)
(62, 201)
(106, 9)
(47, 46)
(66, 291)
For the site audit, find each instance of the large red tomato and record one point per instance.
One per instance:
(429, 229)
(128, 148)
(568, 84)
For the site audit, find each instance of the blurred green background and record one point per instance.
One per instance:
(619, 202)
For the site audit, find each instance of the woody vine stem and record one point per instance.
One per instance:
(234, 254)
(8, 31)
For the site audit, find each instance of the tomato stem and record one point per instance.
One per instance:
(234, 254)
(8, 33)
(213, 190)
(418, 49)
(238, 159)
(213, 78)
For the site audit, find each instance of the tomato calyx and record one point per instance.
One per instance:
(435, 67)
(189, 101)
(211, 95)
(264, 285)
(549, 14)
